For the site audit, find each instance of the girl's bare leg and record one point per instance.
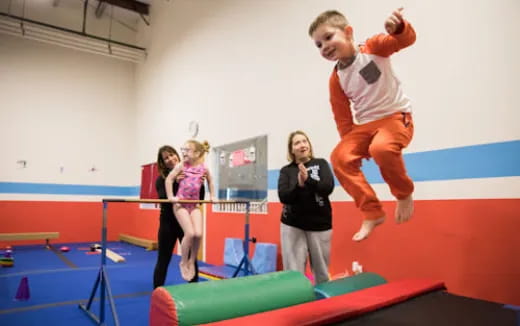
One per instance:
(183, 216)
(196, 219)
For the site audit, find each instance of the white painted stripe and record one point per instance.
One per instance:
(486, 188)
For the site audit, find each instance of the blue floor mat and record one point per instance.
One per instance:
(56, 288)
(77, 284)
(39, 258)
(223, 271)
(32, 258)
(81, 255)
(130, 311)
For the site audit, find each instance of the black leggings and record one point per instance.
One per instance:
(169, 232)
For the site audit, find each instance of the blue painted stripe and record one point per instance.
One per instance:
(66, 189)
(468, 162)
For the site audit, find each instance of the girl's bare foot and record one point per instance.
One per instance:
(404, 209)
(366, 228)
(185, 271)
(191, 271)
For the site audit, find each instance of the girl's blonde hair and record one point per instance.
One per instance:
(201, 147)
(290, 155)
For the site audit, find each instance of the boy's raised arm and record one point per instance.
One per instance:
(400, 35)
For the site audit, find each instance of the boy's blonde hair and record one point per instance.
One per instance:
(290, 154)
(330, 17)
(202, 148)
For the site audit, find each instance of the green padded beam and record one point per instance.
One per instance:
(347, 285)
(197, 303)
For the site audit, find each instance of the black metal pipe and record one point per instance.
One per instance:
(63, 29)
(137, 6)
(100, 9)
(85, 7)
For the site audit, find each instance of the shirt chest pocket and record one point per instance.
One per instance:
(370, 72)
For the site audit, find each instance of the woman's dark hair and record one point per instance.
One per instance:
(161, 166)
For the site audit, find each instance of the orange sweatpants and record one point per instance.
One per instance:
(383, 140)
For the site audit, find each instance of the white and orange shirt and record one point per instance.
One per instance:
(367, 89)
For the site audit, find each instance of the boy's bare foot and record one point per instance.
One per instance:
(404, 209)
(366, 228)
(185, 271)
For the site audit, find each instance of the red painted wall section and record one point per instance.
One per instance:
(76, 221)
(144, 223)
(471, 245)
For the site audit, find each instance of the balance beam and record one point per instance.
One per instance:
(115, 257)
(30, 236)
(147, 244)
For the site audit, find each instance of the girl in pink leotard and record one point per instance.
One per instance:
(189, 187)
(189, 214)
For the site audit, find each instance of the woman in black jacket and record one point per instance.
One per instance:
(304, 187)
(169, 228)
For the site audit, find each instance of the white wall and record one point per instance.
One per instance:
(61, 107)
(244, 68)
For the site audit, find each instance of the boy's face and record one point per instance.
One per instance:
(334, 43)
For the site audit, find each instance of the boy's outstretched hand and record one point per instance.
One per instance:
(394, 23)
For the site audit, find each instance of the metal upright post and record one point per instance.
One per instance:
(103, 264)
(245, 260)
(246, 242)
(102, 280)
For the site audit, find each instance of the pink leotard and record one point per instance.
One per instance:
(189, 187)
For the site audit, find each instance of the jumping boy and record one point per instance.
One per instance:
(372, 113)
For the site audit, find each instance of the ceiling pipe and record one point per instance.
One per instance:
(85, 7)
(21, 19)
(133, 5)
(100, 9)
